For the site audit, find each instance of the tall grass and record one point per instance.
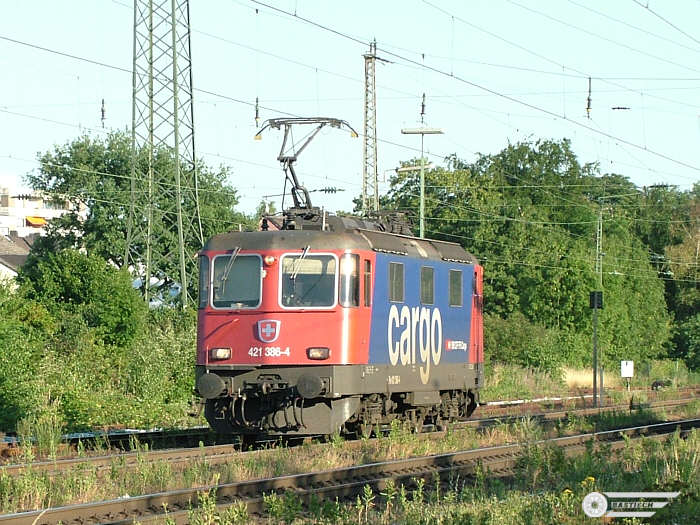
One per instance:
(35, 490)
(41, 432)
(546, 488)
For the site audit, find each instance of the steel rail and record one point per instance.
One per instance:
(123, 438)
(341, 483)
(215, 454)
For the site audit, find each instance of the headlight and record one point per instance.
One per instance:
(318, 353)
(219, 354)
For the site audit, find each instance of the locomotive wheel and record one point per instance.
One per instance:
(471, 406)
(247, 441)
(417, 419)
(220, 426)
(440, 424)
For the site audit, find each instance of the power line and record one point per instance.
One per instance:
(590, 33)
(218, 95)
(207, 92)
(126, 204)
(666, 21)
(493, 92)
(276, 168)
(599, 13)
(484, 88)
(547, 59)
(646, 275)
(67, 55)
(52, 121)
(491, 217)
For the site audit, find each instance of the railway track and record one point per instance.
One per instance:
(217, 454)
(338, 483)
(191, 437)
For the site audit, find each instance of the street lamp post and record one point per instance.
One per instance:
(422, 132)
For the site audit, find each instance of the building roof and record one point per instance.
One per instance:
(13, 255)
(13, 262)
(9, 247)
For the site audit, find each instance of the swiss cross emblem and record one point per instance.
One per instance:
(268, 330)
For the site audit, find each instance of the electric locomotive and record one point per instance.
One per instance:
(317, 324)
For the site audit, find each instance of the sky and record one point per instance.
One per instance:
(493, 72)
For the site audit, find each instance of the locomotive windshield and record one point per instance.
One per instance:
(237, 281)
(308, 281)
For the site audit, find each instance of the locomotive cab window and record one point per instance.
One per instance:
(455, 288)
(203, 280)
(396, 282)
(237, 281)
(308, 281)
(350, 280)
(427, 285)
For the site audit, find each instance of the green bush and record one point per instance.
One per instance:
(687, 341)
(73, 282)
(516, 340)
(88, 346)
(24, 326)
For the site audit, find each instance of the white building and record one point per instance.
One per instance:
(27, 213)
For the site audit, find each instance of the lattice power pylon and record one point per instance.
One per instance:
(370, 189)
(164, 226)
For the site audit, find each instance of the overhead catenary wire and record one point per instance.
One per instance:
(82, 127)
(647, 275)
(276, 168)
(209, 92)
(509, 97)
(651, 274)
(339, 180)
(490, 217)
(666, 21)
(606, 39)
(583, 74)
(632, 26)
(484, 88)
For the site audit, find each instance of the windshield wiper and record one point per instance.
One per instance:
(227, 269)
(297, 266)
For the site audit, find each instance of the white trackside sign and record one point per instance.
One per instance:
(412, 328)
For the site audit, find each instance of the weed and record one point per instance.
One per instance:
(273, 505)
(367, 500)
(44, 429)
(205, 513)
(389, 494)
(236, 514)
(337, 440)
(418, 493)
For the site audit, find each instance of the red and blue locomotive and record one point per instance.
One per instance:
(337, 324)
(318, 324)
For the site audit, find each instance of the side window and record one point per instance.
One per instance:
(427, 285)
(396, 282)
(203, 280)
(349, 280)
(368, 283)
(455, 287)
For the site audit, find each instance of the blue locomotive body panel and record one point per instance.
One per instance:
(410, 332)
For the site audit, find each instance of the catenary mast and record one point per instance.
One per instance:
(370, 190)
(164, 213)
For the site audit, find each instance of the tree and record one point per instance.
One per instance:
(70, 282)
(94, 175)
(529, 214)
